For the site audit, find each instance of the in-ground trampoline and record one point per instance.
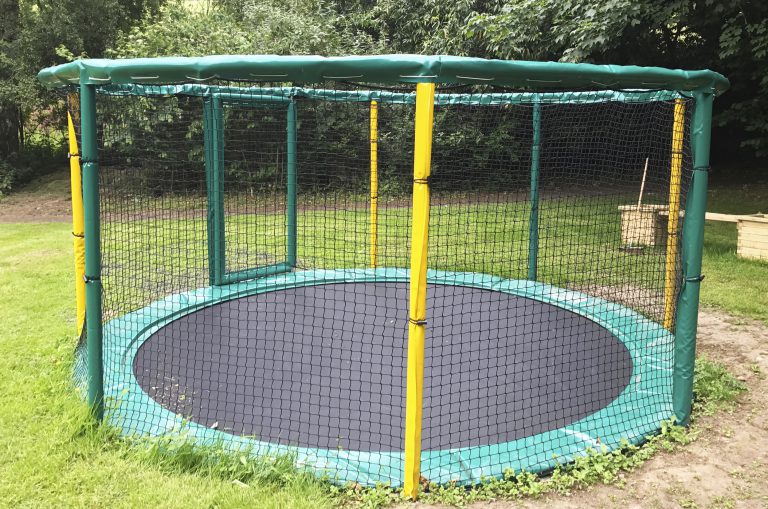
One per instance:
(390, 268)
(273, 380)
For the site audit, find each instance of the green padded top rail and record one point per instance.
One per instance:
(286, 94)
(379, 69)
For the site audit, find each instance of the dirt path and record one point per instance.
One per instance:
(44, 200)
(40, 209)
(726, 467)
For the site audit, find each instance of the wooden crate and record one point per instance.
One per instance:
(643, 226)
(753, 237)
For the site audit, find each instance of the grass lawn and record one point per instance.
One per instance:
(733, 284)
(53, 457)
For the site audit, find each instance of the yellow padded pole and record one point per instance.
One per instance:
(374, 183)
(673, 221)
(78, 227)
(422, 155)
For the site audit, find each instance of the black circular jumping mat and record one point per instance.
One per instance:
(323, 366)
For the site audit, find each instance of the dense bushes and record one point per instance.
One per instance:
(731, 37)
(37, 159)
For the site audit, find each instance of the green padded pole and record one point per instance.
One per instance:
(692, 247)
(218, 186)
(533, 223)
(208, 153)
(213, 116)
(90, 169)
(291, 199)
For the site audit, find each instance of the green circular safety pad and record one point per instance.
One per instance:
(636, 413)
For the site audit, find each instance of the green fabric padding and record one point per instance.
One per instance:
(632, 416)
(379, 69)
(92, 221)
(286, 94)
(692, 250)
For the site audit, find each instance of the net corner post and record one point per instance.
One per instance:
(425, 104)
(92, 230)
(692, 251)
(291, 198)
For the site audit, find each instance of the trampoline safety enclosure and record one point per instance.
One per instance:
(391, 268)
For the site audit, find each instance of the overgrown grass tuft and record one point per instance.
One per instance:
(176, 454)
(715, 388)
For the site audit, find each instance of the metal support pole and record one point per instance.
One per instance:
(93, 288)
(673, 221)
(417, 324)
(291, 199)
(374, 221)
(78, 221)
(213, 128)
(692, 248)
(533, 223)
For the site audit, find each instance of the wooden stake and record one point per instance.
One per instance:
(642, 185)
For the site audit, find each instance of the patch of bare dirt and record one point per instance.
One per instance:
(46, 199)
(726, 467)
(24, 208)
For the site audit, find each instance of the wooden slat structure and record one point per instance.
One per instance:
(752, 239)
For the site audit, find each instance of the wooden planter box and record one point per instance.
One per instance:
(647, 226)
(643, 226)
(753, 237)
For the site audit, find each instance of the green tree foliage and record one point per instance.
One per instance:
(287, 27)
(11, 95)
(176, 30)
(430, 26)
(281, 27)
(730, 36)
(35, 34)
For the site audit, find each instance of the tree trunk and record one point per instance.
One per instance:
(10, 113)
(9, 130)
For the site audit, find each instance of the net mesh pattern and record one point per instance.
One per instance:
(253, 294)
(254, 178)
